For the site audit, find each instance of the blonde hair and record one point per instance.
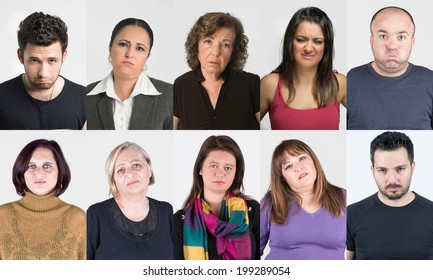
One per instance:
(112, 158)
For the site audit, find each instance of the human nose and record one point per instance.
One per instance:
(392, 43)
(39, 172)
(298, 167)
(220, 172)
(392, 178)
(42, 69)
(308, 46)
(130, 52)
(216, 49)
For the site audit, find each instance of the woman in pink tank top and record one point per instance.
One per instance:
(304, 92)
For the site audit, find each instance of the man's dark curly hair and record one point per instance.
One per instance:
(42, 30)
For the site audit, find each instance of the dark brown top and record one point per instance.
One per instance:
(237, 103)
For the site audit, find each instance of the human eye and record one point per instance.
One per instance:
(141, 49)
(381, 170)
(120, 171)
(228, 168)
(137, 166)
(400, 169)
(401, 37)
(31, 166)
(301, 158)
(287, 166)
(207, 41)
(226, 45)
(47, 166)
(301, 39)
(213, 165)
(52, 60)
(122, 44)
(318, 41)
(383, 36)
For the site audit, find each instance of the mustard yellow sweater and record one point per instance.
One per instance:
(42, 227)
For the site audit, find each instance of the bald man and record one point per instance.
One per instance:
(390, 92)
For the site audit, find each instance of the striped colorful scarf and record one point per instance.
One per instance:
(230, 230)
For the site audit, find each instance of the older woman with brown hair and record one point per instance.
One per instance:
(303, 216)
(217, 93)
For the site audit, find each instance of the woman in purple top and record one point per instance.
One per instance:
(302, 215)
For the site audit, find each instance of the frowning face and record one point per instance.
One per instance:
(299, 172)
(131, 174)
(215, 51)
(42, 172)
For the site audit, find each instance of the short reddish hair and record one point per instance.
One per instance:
(22, 162)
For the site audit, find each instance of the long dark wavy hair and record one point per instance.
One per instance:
(326, 86)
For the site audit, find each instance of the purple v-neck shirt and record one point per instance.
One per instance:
(304, 236)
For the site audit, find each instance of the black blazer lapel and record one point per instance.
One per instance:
(105, 110)
(141, 112)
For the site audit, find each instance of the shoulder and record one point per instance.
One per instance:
(245, 77)
(428, 204)
(75, 87)
(179, 216)
(269, 83)
(363, 206)
(270, 79)
(7, 208)
(98, 206)
(359, 69)
(77, 211)
(163, 205)
(253, 205)
(421, 70)
(161, 86)
(10, 82)
(186, 77)
(91, 86)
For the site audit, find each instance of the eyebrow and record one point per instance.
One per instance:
(129, 42)
(386, 32)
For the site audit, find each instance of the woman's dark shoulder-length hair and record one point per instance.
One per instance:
(134, 22)
(217, 143)
(327, 84)
(207, 25)
(22, 162)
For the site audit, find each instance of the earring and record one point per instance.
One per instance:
(200, 173)
(145, 68)
(109, 58)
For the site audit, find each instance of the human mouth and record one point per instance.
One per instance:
(308, 56)
(39, 182)
(302, 176)
(127, 62)
(219, 182)
(132, 182)
(393, 187)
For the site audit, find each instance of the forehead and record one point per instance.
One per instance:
(128, 155)
(133, 33)
(52, 50)
(42, 152)
(391, 158)
(220, 157)
(224, 33)
(392, 19)
(309, 28)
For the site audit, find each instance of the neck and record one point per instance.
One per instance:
(305, 77)
(40, 94)
(134, 208)
(403, 201)
(212, 77)
(214, 201)
(123, 87)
